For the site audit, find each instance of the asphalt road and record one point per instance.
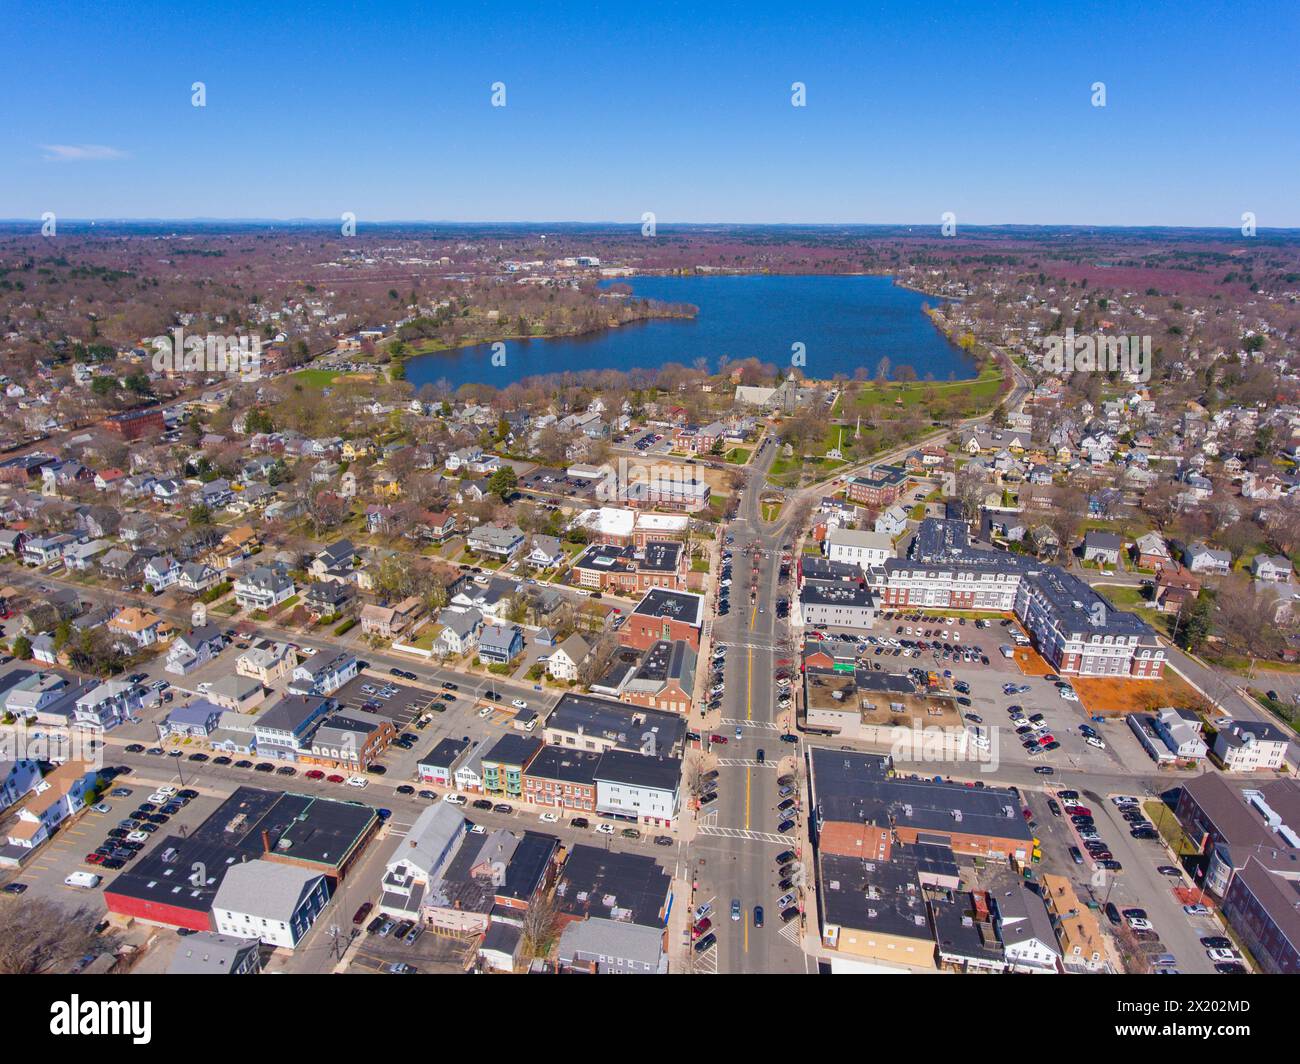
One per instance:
(734, 850)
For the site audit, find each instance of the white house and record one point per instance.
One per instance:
(161, 572)
(274, 902)
(867, 549)
(566, 659)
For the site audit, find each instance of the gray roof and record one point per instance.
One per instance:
(265, 889)
(209, 953)
(598, 937)
(430, 835)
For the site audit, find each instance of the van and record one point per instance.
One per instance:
(84, 880)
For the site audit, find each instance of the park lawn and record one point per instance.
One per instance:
(771, 510)
(982, 389)
(737, 456)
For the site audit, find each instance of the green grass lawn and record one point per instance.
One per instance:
(315, 379)
(1126, 598)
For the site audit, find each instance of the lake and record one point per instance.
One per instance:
(843, 323)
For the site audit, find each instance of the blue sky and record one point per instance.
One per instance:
(384, 109)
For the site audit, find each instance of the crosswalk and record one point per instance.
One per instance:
(741, 833)
(764, 724)
(744, 762)
(790, 932)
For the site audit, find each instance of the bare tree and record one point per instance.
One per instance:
(541, 928)
(39, 936)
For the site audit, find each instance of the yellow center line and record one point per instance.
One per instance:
(749, 715)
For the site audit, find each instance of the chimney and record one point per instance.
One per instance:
(266, 841)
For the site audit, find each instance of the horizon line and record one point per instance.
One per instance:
(333, 222)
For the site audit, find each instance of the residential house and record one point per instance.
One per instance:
(266, 662)
(275, 903)
(323, 673)
(566, 659)
(500, 644)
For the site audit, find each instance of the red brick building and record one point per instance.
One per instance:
(137, 424)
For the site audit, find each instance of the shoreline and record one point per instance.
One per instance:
(400, 362)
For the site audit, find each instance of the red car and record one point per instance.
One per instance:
(1049, 738)
(718, 739)
(362, 913)
(315, 774)
(702, 927)
(94, 858)
(1077, 810)
(334, 779)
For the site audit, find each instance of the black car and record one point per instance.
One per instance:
(264, 766)
(14, 888)
(580, 822)
(785, 857)
(663, 840)
(430, 795)
(1216, 942)
(789, 914)
(286, 770)
(706, 943)
(396, 672)
(243, 764)
(502, 807)
(1230, 968)
(712, 796)
(135, 748)
(405, 788)
(788, 738)
(481, 803)
(222, 760)
(378, 770)
(113, 863)
(1045, 770)
(1169, 870)
(447, 685)
(785, 825)
(197, 757)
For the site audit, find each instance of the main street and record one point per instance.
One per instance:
(733, 852)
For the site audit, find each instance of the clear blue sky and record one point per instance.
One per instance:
(384, 109)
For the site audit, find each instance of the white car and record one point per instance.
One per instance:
(604, 829)
(485, 711)
(549, 818)
(1197, 910)
(1069, 696)
(358, 781)
(477, 829)
(137, 836)
(1223, 954)
(308, 652)
(167, 789)
(1125, 799)
(454, 799)
(519, 703)
(1138, 924)
(204, 688)
(1092, 740)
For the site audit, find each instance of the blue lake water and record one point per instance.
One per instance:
(843, 323)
